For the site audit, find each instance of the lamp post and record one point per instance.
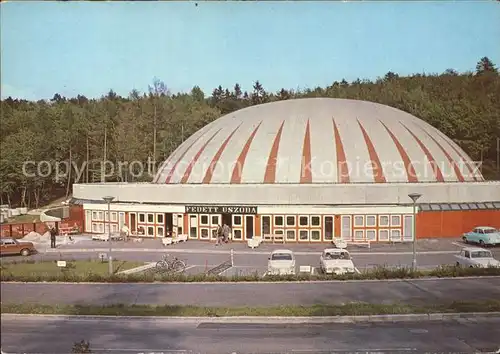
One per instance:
(414, 197)
(108, 200)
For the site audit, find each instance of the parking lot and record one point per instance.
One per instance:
(203, 256)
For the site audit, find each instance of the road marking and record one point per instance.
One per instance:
(458, 245)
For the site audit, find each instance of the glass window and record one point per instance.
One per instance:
(395, 234)
(278, 220)
(94, 215)
(395, 220)
(445, 207)
(359, 235)
(141, 230)
(237, 220)
(304, 235)
(281, 257)
(290, 220)
(371, 235)
(151, 218)
(159, 218)
(472, 206)
(371, 220)
(266, 225)
(455, 206)
(315, 221)
(481, 205)
(142, 217)
(464, 206)
(151, 231)
(383, 220)
(315, 235)
(215, 220)
(383, 235)
(435, 207)
(328, 228)
(237, 234)
(204, 233)
(303, 220)
(204, 219)
(359, 220)
(100, 215)
(114, 216)
(424, 207)
(160, 231)
(290, 235)
(496, 205)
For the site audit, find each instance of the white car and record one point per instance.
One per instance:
(281, 262)
(336, 261)
(476, 257)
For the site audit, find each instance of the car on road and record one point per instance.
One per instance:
(336, 261)
(483, 235)
(476, 257)
(11, 246)
(281, 262)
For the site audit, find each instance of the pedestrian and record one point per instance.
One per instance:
(53, 237)
(219, 235)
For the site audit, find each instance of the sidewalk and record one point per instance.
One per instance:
(426, 246)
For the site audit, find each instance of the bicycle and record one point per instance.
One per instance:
(170, 265)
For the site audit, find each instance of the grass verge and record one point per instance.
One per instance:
(352, 309)
(31, 271)
(79, 269)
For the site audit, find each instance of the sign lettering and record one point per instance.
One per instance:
(220, 209)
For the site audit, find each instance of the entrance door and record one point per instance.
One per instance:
(328, 228)
(408, 228)
(227, 219)
(179, 223)
(88, 220)
(169, 224)
(133, 222)
(193, 226)
(346, 228)
(215, 221)
(121, 219)
(249, 226)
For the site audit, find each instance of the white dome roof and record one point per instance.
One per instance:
(317, 140)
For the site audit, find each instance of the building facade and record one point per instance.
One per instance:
(306, 170)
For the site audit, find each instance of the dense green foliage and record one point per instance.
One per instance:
(10, 273)
(84, 132)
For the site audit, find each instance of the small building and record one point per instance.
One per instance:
(307, 169)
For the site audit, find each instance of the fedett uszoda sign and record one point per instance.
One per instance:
(221, 209)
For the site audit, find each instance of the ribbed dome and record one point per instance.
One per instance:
(317, 140)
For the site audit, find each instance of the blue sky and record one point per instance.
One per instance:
(88, 48)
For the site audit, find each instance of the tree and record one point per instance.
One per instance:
(486, 66)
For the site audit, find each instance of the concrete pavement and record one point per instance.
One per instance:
(416, 292)
(57, 336)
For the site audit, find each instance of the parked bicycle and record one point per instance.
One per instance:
(167, 264)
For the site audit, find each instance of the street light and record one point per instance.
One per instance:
(108, 200)
(414, 197)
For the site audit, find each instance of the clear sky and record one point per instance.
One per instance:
(88, 47)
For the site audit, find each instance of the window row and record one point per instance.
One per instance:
(149, 231)
(103, 216)
(371, 220)
(383, 235)
(149, 218)
(101, 228)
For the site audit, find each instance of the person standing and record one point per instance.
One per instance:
(53, 237)
(219, 235)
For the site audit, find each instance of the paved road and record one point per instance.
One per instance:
(49, 335)
(423, 291)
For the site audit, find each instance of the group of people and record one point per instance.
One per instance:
(222, 234)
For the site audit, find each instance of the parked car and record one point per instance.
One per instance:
(336, 261)
(11, 246)
(476, 257)
(483, 235)
(281, 262)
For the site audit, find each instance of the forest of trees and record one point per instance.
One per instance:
(84, 132)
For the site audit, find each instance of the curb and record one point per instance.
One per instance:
(236, 283)
(267, 320)
(208, 251)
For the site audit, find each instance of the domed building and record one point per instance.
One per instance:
(305, 170)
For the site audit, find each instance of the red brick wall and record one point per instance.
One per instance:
(454, 223)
